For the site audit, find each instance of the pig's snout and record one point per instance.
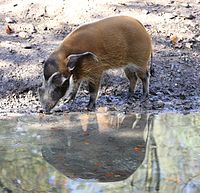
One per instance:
(47, 110)
(47, 106)
(45, 101)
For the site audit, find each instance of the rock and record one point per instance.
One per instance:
(159, 93)
(190, 17)
(187, 106)
(153, 98)
(152, 92)
(112, 109)
(116, 10)
(40, 110)
(158, 104)
(41, 61)
(31, 28)
(197, 38)
(10, 20)
(147, 104)
(182, 96)
(169, 105)
(188, 45)
(178, 45)
(12, 51)
(26, 46)
(30, 93)
(145, 11)
(24, 35)
(186, 5)
(170, 15)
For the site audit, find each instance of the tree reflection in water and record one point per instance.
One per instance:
(138, 153)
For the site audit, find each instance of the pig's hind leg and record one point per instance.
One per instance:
(144, 76)
(93, 91)
(131, 75)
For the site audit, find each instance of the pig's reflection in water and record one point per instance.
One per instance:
(105, 147)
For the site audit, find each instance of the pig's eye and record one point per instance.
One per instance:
(56, 94)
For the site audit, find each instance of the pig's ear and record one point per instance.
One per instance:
(73, 60)
(57, 79)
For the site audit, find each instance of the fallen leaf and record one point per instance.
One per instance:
(174, 39)
(86, 142)
(175, 180)
(8, 29)
(137, 149)
(109, 174)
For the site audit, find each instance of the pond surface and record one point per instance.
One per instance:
(100, 153)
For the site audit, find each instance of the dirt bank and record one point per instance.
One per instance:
(31, 30)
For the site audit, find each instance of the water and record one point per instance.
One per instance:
(100, 153)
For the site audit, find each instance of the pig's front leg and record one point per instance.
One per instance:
(93, 90)
(73, 88)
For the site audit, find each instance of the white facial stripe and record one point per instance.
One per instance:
(50, 79)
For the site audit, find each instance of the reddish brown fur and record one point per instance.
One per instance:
(91, 49)
(116, 41)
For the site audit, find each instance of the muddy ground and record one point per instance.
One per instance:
(31, 29)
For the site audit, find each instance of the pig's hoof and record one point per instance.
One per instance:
(91, 108)
(44, 112)
(144, 98)
(132, 95)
